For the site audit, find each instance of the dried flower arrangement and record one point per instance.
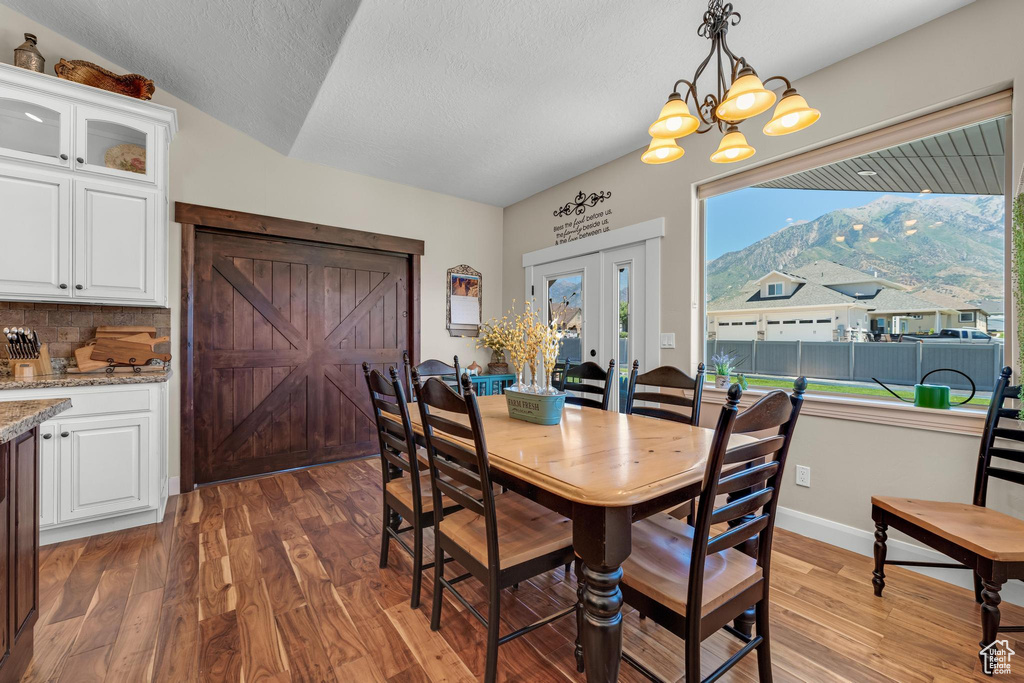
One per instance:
(529, 342)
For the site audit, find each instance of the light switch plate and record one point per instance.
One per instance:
(668, 340)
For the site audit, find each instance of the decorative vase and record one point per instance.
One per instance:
(721, 381)
(534, 386)
(27, 55)
(497, 364)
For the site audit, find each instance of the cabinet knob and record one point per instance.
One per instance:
(80, 160)
(64, 157)
(64, 434)
(63, 286)
(47, 436)
(79, 287)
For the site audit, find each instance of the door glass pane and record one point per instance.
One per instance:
(565, 304)
(115, 146)
(623, 301)
(28, 127)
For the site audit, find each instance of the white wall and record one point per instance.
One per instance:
(216, 165)
(963, 55)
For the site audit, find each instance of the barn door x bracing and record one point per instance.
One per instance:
(281, 330)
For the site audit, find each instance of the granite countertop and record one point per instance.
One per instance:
(90, 379)
(17, 417)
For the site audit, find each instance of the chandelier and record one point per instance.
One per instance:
(744, 98)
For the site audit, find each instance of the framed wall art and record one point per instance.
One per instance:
(465, 301)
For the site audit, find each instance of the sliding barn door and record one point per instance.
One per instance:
(281, 331)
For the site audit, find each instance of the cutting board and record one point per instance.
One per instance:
(120, 331)
(126, 352)
(85, 362)
(144, 338)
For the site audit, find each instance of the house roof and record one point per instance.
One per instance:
(788, 276)
(832, 273)
(950, 301)
(807, 294)
(895, 301)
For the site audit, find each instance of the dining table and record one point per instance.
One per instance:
(603, 470)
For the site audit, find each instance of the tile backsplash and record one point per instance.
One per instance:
(65, 327)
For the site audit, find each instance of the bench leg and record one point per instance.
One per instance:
(878, 576)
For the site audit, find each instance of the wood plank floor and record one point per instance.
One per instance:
(276, 579)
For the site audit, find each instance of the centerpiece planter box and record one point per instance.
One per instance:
(542, 409)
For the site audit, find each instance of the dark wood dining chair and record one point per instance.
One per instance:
(406, 492)
(433, 368)
(989, 543)
(500, 539)
(694, 583)
(576, 378)
(666, 377)
(558, 374)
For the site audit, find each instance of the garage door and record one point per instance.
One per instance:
(737, 329)
(803, 327)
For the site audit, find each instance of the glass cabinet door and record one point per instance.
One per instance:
(34, 128)
(111, 144)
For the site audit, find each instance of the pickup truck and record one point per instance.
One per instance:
(961, 335)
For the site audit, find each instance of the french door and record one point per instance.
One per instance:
(601, 301)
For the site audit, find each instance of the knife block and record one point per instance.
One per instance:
(27, 368)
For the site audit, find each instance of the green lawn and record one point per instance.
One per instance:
(821, 387)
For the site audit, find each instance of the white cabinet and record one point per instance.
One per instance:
(48, 474)
(35, 231)
(115, 241)
(93, 227)
(112, 144)
(102, 462)
(34, 127)
(104, 466)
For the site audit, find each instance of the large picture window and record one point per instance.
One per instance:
(892, 263)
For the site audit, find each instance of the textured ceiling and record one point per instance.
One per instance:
(491, 100)
(968, 160)
(256, 65)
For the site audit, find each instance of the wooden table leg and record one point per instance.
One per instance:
(601, 537)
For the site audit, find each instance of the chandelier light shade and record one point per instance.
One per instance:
(791, 115)
(675, 120)
(739, 94)
(662, 151)
(733, 147)
(746, 98)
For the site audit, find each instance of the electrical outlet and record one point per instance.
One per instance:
(803, 476)
(668, 340)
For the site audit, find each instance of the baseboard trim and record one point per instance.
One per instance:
(95, 527)
(862, 542)
(173, 486)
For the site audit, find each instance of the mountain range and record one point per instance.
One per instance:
(955, 246)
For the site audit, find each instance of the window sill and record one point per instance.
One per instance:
(954, 421)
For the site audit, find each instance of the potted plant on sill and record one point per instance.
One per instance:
(724, 364)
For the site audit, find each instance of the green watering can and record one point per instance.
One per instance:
(933, 395)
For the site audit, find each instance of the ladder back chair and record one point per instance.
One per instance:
(989, 543)
(433, 368)
(500, 539)
(692, 580)
(576, 378)
(406, 490)
(666, 377)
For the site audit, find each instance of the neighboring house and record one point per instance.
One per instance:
(569, 317)
(826, 301)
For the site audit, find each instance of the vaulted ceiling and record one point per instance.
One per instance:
(491, 100)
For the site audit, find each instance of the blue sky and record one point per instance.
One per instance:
(738, 219)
